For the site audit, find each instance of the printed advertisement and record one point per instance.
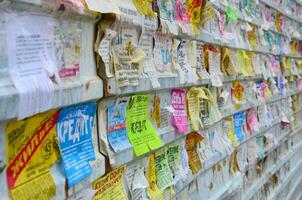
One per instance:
(42, 188)
(74, 131)
(31, 148)
(163, 172)
(116, 130)
(179, 114)
(141, 133)
(110, 186)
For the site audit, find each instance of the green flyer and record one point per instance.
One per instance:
(140, 131)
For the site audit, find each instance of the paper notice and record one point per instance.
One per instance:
(104, 50)
(127, 64)
(185, 71)
(179, 115)
(162, 54)
(163, 172)
(149, 26)
(196, 102)
(155, 114)
(30, 147)
(144, 7)
(42, 188)
(30, 48)
(212, 61)
(174, 160)
(116, 127)
(153, 191)
(136, 181)
(239, 119)
(74, 131)
(141, 133)
(103, 6)
(86, 194)
(228, 127)
(192, 141)
(110, 186)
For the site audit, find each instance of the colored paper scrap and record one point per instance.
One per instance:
(74, 131)
(140, 131)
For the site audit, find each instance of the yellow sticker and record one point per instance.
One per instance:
(42, 188)
(31, 147)
(110, 186)
(140, 131)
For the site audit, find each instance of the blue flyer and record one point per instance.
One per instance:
(74, 132)
(116, 128)
(239, 119)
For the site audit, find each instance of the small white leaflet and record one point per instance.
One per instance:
(149, 27)
(31, 60)
(136, 181)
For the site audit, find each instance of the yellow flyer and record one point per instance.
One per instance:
(140, 131)
(110, 186)
(31, 147)
(42, 188)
